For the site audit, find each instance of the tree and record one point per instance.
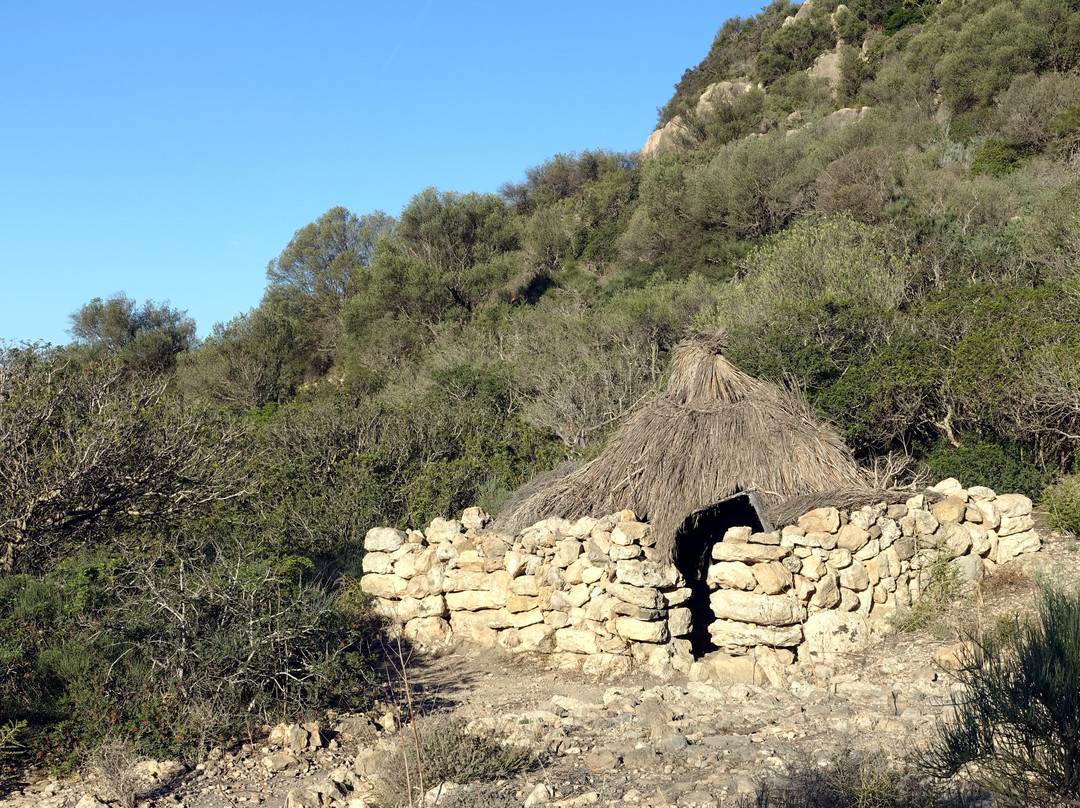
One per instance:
(82, 444)
(320, 269)
(148, 338)
(249, 362)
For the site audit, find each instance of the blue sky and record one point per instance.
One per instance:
(170, 150)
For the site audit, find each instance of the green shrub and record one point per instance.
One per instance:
(1016, 729)
(1005, 466)
(857, 780)
(997, 158)
(1061, 502)
(442, 750)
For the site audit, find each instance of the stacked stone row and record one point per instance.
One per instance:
(594, 593)
(868, 560)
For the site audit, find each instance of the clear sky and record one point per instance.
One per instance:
(169, 150)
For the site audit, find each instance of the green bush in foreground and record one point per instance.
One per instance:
(857, 780)
(1061, 502)
(1016, 730)
(445, 750)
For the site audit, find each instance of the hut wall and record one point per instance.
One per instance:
(595, 595)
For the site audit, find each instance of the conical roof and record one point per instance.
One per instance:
(713, 432)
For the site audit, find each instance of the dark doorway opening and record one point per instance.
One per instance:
(693, 554)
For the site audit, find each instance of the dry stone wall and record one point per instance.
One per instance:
(596, 595)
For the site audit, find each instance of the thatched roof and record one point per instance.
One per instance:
(714, 431)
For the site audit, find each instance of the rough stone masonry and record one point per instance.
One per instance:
(595, 595)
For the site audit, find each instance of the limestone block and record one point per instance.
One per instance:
(765, 538)
(896, 512)
(892, 558)
(647, 573)
(602, 540)
(575, 573)
(855, 577)
(980, 539)
(411, 608)
(621, 553)
(804, 588)
(466, 580)
(839, 558)
(730, 575)
(591, 575)
(849, 601)
(430, 583)
(738, 535)
(869, 550)
(771, 666)
(427, 631)
(515, 563)
(972, 514)
(735, 635)
(617, 608)
(748, 552)
(833, 636)
(851, 537)
(577, 641)
(925, 522)
(645, 597)
(1008, 546)
(470, 601)
(863, 518)
(526, 585)
(641, 631)
(813, 567)
(827, 591)
(379, 563)
(578, 595)
(383, 586)
(950, 485)
(443, 529)
(582, 527)
(566, 552)
(1013, 505)
(825, 520)
(474, 518)
(950, 509)
(970, 568)
(772, 577)
(917, 501)
(793, 563)
(626, 533)
(981, 492)
(905, 548)
(677, 596)
(523, 619)
(1014, 524)
(446, 551)
(991, 516)
(890, 532)
(866, 600)
(750, 607)
(521, 603)
(826, 541)
(792, 532)
(536, 638)
(384, 540)
(680, 621)
(955, 538)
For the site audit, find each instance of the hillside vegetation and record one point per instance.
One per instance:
(181, 521)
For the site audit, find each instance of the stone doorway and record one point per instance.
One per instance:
(693, 554)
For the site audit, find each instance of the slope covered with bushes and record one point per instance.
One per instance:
(181, 521)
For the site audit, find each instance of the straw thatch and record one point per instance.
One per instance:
(713, 432)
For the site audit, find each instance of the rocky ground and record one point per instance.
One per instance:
(636, 741)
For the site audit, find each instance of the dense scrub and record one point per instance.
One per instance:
(914, 270)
